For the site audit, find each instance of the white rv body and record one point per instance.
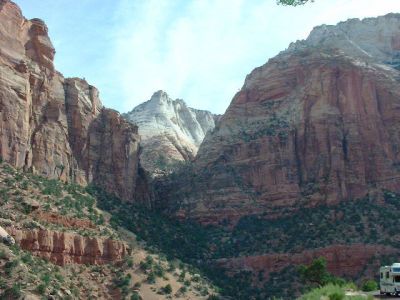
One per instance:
(390, 279)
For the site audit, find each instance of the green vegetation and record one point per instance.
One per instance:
(317, 274)
(369, 286)
(167, 289)
(347, 223)
(331, 291)
(13, 292)
(292, 2)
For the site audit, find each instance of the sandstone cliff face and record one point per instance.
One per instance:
(58, 127)
(171, 132)
(313, 126)
(63, 248)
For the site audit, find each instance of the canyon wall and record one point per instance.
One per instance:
(57, 127)
(316, 125)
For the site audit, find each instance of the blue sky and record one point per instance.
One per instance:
(196, 50)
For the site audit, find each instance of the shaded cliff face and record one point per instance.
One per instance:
(313, 126)
(171, 132)
(54, 126)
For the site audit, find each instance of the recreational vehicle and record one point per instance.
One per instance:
(390, 279)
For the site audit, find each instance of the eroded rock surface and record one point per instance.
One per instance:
(340, 260)
(63, 248)
(313, 126)
(58, 127)
(170, 131)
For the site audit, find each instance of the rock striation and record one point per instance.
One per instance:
(63, 248)
(340, 260)
(57, 127)
(170, 131)
(316, 125)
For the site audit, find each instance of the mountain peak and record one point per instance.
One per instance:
(160, 95)
(170, 130)
(374, 39)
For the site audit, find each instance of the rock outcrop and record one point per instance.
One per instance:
(170, 131)
(62, 248)
(316, 125)
(5, 237)
(58, 127)
(340, 260)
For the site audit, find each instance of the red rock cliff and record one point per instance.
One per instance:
(58, 127)
(64, 248)
(316, 125)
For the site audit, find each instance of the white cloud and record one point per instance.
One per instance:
(201, 50)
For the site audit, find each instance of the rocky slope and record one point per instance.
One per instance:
(58, 127)
(65, 247)
(316, 125)
(304, 162)
(170, 131)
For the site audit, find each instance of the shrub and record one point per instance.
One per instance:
(167, 289)
(42, 288)
(337, 295)
(135, 296)
(151, 278)
(10, 266)
(129, 261)
(333, 292)
(12, 293)
(182, 290)
(159, 270)
(3, 254)
(369, 286)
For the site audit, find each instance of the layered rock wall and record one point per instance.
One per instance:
(62, 248)
(314, 126)
(58, 127)
(340, 260)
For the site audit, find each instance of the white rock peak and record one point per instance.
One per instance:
(162, 120)
(374, 38)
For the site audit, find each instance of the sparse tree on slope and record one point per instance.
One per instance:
(292, 2)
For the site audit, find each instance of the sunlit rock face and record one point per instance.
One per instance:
(58, 127)
(316, 125)
(170, 131)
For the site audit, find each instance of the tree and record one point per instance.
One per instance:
(370, 286)
(316, 273)
(293, 2)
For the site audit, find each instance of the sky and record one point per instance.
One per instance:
(196, 50)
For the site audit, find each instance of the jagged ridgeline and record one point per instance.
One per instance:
(304, 163)
(171, 132)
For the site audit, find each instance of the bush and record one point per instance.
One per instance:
(333, 292)
(167, 289)
(42, 288)
(10, 266)
(12, 293)
(338, 295)
(151, 278)
(316, 273)
(3, 254)
(135, 296)
(369, 286)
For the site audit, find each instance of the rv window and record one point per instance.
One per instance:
(381, 275)
(387, 274)
(396, 278)
(396, 270)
